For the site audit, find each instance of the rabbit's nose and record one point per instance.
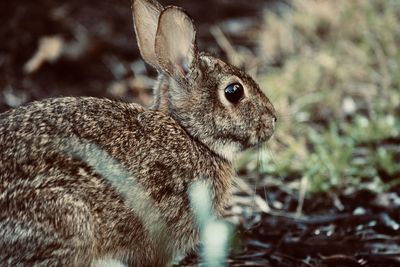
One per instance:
(274, 120)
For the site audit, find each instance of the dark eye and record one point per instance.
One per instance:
(234, 92)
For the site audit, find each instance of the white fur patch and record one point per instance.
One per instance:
(108, 262)
(229, 151)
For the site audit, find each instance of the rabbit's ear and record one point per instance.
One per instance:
(145, 16)
(175, 42)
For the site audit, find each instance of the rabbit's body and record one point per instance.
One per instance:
(77, 213)
(86, 179)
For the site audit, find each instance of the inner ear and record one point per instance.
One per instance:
(145, 16)
(175, 42)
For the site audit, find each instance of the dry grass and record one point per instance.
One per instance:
(332, 70)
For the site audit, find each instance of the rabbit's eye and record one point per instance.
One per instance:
(234, 92)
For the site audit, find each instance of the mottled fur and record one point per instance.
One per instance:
(86, 180)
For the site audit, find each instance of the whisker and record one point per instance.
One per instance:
(258, 173)
(261, 149)
(271, 155)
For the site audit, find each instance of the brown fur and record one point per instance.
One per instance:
(82, 179)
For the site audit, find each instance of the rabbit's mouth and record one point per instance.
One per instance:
(259, 137)
(262, 135)
(229, 145)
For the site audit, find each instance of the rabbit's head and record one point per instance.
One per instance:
(215, 102)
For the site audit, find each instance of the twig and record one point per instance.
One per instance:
(259, 201)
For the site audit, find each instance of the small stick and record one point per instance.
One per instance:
(260, 202)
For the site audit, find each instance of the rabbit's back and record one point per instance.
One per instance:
(126, 131)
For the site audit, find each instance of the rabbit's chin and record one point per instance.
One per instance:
(231, 150)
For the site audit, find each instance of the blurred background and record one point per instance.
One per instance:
(332, 71)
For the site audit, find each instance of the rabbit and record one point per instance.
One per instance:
(85, 181)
